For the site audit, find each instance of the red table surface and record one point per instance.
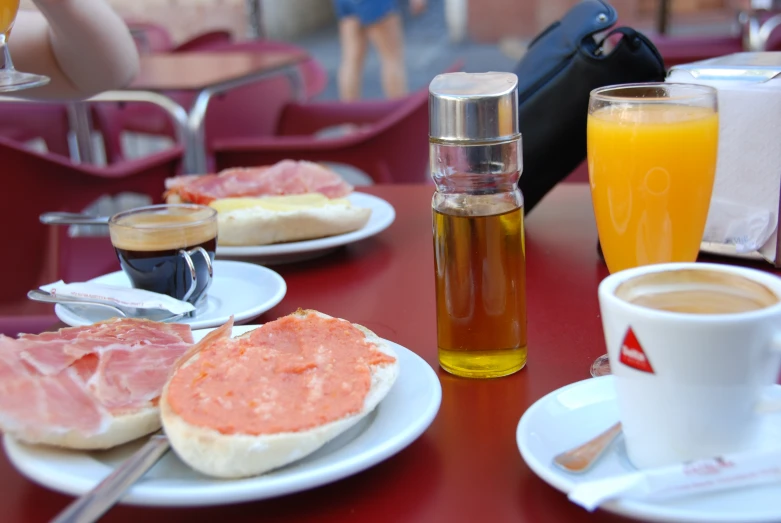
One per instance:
(466, 466)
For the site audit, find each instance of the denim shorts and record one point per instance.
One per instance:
(368, 11)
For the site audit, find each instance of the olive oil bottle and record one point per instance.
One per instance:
(480, 261)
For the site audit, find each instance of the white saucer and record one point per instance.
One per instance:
(404, 414)
(573, 414)
(242, 289)
(383, 214)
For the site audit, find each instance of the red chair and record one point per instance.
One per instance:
(205, 41)
(251, 110)
(37, 183)
(682, 50)
(23, 122)
(390, 142)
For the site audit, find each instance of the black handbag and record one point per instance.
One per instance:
(560, 68)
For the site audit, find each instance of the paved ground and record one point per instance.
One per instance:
(427, 48)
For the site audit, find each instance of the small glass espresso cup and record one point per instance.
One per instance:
(694, 350)
(168, 249)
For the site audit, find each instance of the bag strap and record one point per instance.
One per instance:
(584, 19)
(633, 39)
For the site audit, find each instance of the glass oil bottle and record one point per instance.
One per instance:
(479, 253)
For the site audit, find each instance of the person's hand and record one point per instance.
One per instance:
(417, 6)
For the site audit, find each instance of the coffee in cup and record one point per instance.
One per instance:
(693, 348)
(696, 292)
(168, 249)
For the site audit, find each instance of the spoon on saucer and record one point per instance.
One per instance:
(161, 315)
(581, 458)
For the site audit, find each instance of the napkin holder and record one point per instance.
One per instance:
(743, 220)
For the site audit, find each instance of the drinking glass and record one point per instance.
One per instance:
(10, 78)
(651, 160)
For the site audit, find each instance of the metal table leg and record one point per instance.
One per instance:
(81, 126)
(196, 119)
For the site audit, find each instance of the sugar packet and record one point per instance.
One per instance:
(117, 295)
(694, 477)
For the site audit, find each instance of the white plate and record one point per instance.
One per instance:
(243, 289)
(571, 415)
(404, 414)
(382, 216)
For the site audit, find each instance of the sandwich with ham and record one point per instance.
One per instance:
(90, 387)
(236, 407)
(287, 201)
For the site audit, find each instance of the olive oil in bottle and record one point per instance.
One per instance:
(481, 327)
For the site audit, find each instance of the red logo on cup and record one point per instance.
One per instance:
(633, 355)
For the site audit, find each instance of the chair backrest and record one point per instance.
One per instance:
(392, 149)
(39, 182)
(205, 41)
(27, 121)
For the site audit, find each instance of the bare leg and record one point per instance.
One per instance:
(387, 36)
(353, 42)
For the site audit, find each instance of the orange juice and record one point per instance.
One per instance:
(8, 9)
(651, 169)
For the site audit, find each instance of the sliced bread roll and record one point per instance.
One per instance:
(237, 407)
(278, 219)
(117, 430)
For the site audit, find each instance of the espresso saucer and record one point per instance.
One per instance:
(244, 290)
(575, 413)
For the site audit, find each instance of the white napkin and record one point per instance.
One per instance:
(708, 475)
(744, 207)
(116, 295)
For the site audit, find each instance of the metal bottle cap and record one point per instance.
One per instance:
(473, 107)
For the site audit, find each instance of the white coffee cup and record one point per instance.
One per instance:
(691, 385)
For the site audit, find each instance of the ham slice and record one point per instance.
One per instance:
(283, 178)
(77, 379)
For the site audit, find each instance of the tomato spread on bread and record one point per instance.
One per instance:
(289, 375)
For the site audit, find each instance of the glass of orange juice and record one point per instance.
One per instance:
(652, 161)
(10, 78)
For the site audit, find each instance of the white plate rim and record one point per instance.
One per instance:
(69, 317)
(645, 510)
(383, 215)
(219, 492)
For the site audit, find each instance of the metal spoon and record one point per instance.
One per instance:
(90, 506)
(161, 315)
(581, 458)
(72, 218)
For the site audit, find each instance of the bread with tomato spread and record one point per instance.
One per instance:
(237, 407)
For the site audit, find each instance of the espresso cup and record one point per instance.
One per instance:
(168, 249)
(695, 349)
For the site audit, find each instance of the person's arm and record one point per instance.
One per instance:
(82, 45)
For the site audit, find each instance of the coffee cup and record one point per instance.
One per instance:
(695, 349)
(168, 249)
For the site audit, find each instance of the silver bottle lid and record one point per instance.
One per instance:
(473, 107)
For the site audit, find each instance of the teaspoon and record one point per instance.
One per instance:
(581, 458)
(161, 315)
